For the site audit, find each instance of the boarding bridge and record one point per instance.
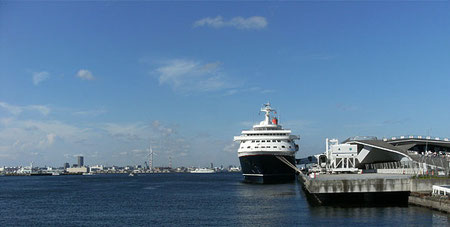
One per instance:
(340, 157)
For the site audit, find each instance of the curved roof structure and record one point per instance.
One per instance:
(372, 150)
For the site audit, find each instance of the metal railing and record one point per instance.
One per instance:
(421, 137)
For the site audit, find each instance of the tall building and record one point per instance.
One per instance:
(66, 165)
(80, 161)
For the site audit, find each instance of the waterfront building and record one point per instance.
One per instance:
(405, 154)
(80, 161)
(97, 168)
(75, 170)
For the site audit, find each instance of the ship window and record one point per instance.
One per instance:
(248, 147)
(253, 141)
(268, 146)
(242, 147)
(256, 147)
(263, 141)
(274, 146)
(279, 141)
(263, 147)
(274, 141)
(257, 141)
(290, 147)
(283, 146)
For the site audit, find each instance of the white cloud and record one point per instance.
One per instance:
(127, 132)
(44, 110)
(19, 137)
(248, 90)
(16, 110)
(47, 141)
(38, 77)
(85, 74)
(90, 113)
(51, 138)
(188, 76)
(250, 23)
(11, 108)
(231, 148)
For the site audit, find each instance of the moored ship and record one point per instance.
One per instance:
(266, 151)
(203, 170)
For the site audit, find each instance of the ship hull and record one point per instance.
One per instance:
(267, 169)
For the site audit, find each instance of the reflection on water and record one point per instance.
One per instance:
(182, 199)
(265, 204)
(287, 204)
(379, 216)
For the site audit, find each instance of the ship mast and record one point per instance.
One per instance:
(267, 109)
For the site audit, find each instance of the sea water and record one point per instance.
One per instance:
(219, 199)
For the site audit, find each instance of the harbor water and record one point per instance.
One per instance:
(220, 199)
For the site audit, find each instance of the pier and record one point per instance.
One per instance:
(368, 171)
(366, 189)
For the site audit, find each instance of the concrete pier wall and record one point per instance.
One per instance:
(366, 183)
(426, 185)
(437, 203)
(371, 188)
(360, 185)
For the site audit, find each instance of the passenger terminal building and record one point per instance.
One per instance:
(408, 153)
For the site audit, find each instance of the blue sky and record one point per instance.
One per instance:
(106, 79)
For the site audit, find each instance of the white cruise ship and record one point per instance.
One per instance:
(263, 148)
(203, 170)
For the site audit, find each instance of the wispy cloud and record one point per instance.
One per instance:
(231, 148)
(346, 107)
(241, 90)
(189, 76)
(18, 136)
(90, 113)
(250, 23)
(16, 110)
(85, 74)
(47, 141)
(38, 77)
(44, 110)
(127, 132)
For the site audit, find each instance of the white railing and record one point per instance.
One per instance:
(416, 137)
(441, 190)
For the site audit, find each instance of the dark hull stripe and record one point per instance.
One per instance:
(266, 169)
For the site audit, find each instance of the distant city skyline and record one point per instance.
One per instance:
(107, 80)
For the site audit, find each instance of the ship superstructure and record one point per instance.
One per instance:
(262, 148)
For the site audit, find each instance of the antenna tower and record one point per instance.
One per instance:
(150, 161)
